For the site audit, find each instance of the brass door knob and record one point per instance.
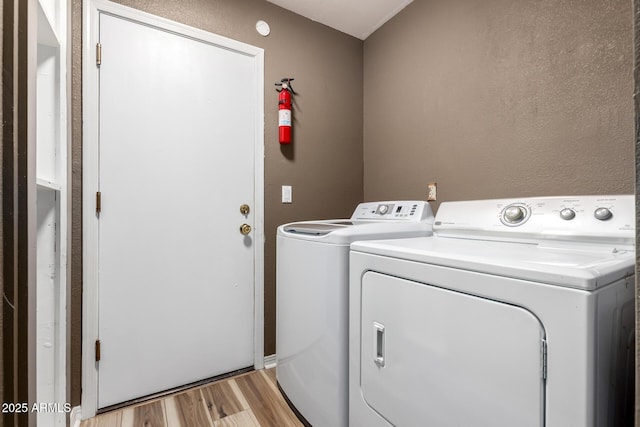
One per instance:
(244, 209)
(245, 229)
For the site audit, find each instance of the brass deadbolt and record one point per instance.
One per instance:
(244, 209)
(245, 229)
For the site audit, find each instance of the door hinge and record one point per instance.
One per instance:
(97, 350)
(98, 202)
(544, 359)
(98, 54)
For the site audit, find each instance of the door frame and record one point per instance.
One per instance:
(90, 94)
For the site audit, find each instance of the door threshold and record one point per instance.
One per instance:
(165, 393)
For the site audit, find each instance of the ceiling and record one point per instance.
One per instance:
(358, 18)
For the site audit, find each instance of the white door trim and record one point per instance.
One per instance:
(93, 8)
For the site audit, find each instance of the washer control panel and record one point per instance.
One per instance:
(402, 210)
(564, 218)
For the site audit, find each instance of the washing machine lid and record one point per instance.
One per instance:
(370, 220)
(345, 231)
(578, 266)
(316, 228)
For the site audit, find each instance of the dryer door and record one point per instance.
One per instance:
(435, 357)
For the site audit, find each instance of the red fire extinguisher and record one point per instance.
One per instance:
(284, 109)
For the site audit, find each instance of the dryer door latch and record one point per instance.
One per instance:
(378, 331)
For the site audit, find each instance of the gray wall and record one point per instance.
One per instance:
(324, 163)
(500, 98)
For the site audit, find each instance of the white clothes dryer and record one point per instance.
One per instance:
(514, 313)
(312, 293)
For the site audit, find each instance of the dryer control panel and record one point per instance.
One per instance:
(399, 210)
(572, 218)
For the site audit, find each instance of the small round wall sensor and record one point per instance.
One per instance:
(263, 28)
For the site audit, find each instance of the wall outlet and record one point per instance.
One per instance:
(432, 193)
(286, 194)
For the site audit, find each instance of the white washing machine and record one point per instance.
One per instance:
(514, 313)
(312, 301)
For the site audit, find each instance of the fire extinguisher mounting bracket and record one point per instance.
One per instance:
(285, 83)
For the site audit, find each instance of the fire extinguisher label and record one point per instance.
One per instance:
(284, 117)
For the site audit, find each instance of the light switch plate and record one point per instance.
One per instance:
(287, 194)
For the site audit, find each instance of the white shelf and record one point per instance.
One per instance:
(46, 33)
(44, 184)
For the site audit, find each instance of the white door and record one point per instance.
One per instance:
(435, 357)
(175, 161)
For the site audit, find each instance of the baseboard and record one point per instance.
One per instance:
(270, 361)
(75, 417)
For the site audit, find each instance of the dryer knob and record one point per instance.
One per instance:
(567, 214)
(602, 214)
(514, 214)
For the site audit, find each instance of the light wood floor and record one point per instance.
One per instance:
(250, 399)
